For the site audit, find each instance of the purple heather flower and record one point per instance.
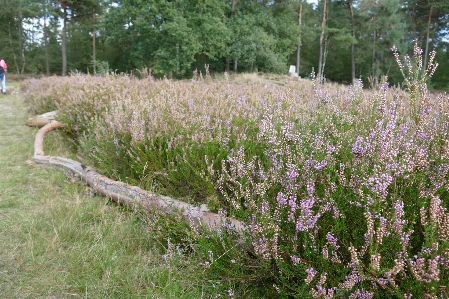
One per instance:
(307, 204)
(332, 240)
(394, 48)
(295, 260)
(292, 204)
(311, 222)
(265, 207)
(291, 173)
(310, 189)
(281, 199)
(399, 209)
(423, 136)
(321, 165)
(358, 149)
(404, 129)
(311, 272)
(167, 260)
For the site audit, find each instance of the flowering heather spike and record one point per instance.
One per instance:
(358, 148)
(282, 201)
(295, 260)
(310, 275)
(361, 295)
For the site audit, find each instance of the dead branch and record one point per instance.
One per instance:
(127, 195)
(41, 120)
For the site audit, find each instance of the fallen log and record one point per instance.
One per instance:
(41, 120)
(127, 195)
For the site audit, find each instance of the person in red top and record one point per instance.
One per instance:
(3, 68)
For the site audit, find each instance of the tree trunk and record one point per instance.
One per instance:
(320, 60)
(233, 4)
(127, 195)
(374, 71)
(414, 20)
(64, 41)
(298, 50)
(47, 65)
(21, 44)
(12, 47)
(326, 42)
(426, 52)
(351, 13)
(94, 50)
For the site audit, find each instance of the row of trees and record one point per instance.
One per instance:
(338, 39)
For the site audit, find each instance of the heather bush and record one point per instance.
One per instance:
(364, 219)
(344, 191)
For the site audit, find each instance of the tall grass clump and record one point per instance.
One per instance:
(344, 191)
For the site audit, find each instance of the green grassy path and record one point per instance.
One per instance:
(57, 241)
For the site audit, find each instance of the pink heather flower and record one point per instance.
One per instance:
(361, 295)
(307, 204)
(292, 204)
(265, 207)
(291, 173)
(320, 165)
(166, 259)
(310, 275)
(332, 240)
(404, 129)
(295, 260)
(310, 188)
(281, 199)
(358, 149)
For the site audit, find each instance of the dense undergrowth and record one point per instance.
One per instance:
(344, 190)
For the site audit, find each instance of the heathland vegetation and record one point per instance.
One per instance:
(344, 190)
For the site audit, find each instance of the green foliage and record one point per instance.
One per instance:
(173, 38)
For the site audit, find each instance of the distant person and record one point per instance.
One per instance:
(3, 68)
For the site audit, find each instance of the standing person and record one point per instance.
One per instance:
(3, 68)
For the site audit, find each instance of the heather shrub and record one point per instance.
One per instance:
(344, 190)
(364, 219)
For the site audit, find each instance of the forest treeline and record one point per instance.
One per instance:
(337, 39)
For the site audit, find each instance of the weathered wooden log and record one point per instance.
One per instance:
(41, 120)
(130, 196)
(39, 138)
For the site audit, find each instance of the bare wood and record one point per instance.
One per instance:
(41, 120)
(39, 139)
(127, 195)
